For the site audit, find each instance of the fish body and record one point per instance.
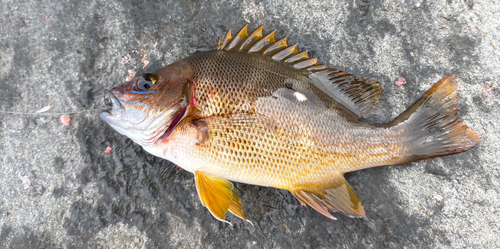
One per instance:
(273, 129)
(259, 112)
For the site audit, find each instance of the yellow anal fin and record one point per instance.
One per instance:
(336, 196)
(219, 196)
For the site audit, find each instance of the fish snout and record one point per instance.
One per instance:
(113, 104)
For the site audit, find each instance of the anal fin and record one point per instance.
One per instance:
(219, 196)
(336, 196)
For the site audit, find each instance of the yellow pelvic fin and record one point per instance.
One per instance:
(219, 196)
(336, 196)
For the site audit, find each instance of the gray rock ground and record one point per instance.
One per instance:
(58, 189)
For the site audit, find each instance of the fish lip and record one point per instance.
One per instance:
(116, 108)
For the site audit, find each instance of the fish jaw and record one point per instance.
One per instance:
(119, 113)
(144, 126)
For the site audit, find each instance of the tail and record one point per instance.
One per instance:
(432, 123)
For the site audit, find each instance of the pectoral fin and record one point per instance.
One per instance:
(219, 196)
(336, 196)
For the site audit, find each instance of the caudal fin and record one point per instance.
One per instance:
(432, 123)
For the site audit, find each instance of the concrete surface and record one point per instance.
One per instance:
(58, 189)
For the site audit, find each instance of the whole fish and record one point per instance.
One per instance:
(260, 112)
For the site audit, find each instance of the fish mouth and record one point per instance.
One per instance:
(114, 105)
(115, 108)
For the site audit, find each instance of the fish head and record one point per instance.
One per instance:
(152, 105)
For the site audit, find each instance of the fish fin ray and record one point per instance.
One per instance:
(336, 196)
(227, 39)
(275, 47)
(266, 46)
(263, 43)
(359, 95)
(298, 57)
(285, 53)
(219, 196)
(306, 198)
(251, 39)
(236, 207)
(433, 125)
(238, 39)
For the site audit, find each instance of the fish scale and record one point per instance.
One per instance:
(260, 112)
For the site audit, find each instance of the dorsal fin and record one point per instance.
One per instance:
(360, 95)
(256, 43)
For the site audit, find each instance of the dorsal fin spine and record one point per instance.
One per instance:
(285, 53)
(255, 36)
(276, 47)
(307, 63)
(263, 43)
(298, 57)
(219, 44)
(238, 39)
(227, 39)
(268, 47)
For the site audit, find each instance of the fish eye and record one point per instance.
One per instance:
(146, 81)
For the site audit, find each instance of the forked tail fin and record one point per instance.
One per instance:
(432, 123)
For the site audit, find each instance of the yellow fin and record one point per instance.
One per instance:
(228, 38)
(292, 50)
(336, 196)
(306, 63)
(433, 124)
(275, 47)
(255, 36)
(239, 38)
(265, 41)
(267, 46)
(219, 196)
(299, 57)
(236, 208)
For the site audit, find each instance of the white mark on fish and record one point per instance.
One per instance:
(300, 97)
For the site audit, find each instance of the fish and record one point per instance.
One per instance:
(257, 111)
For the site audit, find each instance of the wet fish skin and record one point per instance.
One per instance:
(259, 112)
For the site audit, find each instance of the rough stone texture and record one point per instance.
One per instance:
(68, 53)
